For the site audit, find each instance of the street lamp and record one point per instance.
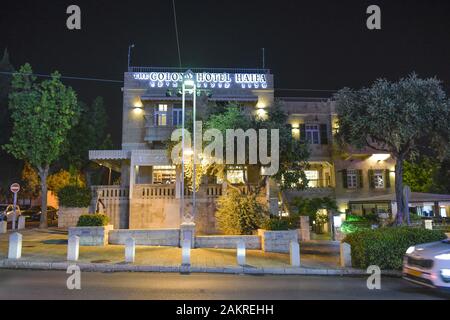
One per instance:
(129, 55)
(189, 87)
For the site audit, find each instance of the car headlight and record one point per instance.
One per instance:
(445, 256)
(410, 250)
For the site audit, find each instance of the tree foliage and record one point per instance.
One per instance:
(43, 114)
(240, 214)
(395, 118)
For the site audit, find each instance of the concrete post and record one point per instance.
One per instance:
(187, 232)
(295, 254)
(345, 255)
(3, 227)
(241, 253)
(304, 233)
(130, 250)
(21, 224)
(15, 246)
(186, 253)
(429, 224)
(73, 248)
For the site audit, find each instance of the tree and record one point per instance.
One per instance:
(42, 114)
(395, 118)
(240, 213)
(419, 174)
(311, 207)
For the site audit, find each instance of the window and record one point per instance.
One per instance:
(164, 174)
(313, 178)
(378, 179)
(161, 115)
(352, 179)
(177, 116)
(312, 133)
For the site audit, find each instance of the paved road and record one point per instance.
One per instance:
(52, 285)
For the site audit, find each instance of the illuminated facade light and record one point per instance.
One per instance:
(380, 156)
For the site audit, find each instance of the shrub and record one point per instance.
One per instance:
(93, 220)
(240, 214)
(74, 197)
(385, 247)
(348, 227)
(282, 223)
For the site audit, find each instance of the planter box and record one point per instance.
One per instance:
(277, 241)
(68, 217)
(91, 236)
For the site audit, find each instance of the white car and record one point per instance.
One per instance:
(8, 212)
(428, 264)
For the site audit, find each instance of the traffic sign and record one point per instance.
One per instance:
(15, 187)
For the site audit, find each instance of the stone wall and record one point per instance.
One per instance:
(277, 241)
(156, 237)
(91, 236)
(227, 242)
(68, 217)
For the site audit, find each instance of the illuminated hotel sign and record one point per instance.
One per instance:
(205, 79)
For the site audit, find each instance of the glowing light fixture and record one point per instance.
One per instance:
(380, 156)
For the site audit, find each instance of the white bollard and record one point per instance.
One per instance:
(345, 255)
(241, 253)
(130, 250)
(73, 248)
(15, 246)
(186, 252)
(429, 224)
(3, 227)
(21, 224)
(295, 254)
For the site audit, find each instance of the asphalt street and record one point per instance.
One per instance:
(19, 284)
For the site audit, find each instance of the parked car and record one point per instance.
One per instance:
(7, 212)
(429, 265)
(34, 213)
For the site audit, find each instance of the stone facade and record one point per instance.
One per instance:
(68, 217)
(91, 236)
(228, 242)
(277, 241)
(157, 237)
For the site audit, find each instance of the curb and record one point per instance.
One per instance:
(101, 267)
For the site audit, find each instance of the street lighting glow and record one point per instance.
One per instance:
(381, 156)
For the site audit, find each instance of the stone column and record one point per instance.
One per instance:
(240, 253)
(3, 227)
(304, 233)
(21, 224)
(187, 232)
(130, 250)
(73, 248)
(295, 254)
(15, 246)
(345, 255)
(186, 252)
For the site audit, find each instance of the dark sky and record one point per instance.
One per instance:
(309, 44)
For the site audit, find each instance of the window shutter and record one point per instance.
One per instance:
(344, 179)
(387, 179)
(371, 179)
(323, 134)
(360, 179)
(303, 133)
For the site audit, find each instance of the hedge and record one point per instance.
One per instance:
(385, 247)
(93, 220)
(74, 197)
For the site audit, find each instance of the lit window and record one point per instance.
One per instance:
(164, 174)
(177, 116)
(312, 133)
(313, 178)
(161, 115)
(378, 179)
(352, 179)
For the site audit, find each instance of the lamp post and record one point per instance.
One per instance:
(189, 87)
(129, 55)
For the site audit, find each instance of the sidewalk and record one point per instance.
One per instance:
(47, 249)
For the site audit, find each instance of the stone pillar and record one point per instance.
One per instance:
(130, 250)
(240, 253)
(345, 255)
(295, 254)
(186, 252)
(73, 248)
(304, 233)
(187, 232)
(21, 224)
(3, 227)
(15, 246)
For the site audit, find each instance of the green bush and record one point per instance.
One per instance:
(74, 197)
(283, 223)
(240, 214)
(93, 220)
(385, 247)
(348, 227)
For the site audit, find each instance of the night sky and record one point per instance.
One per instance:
(321, 45)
